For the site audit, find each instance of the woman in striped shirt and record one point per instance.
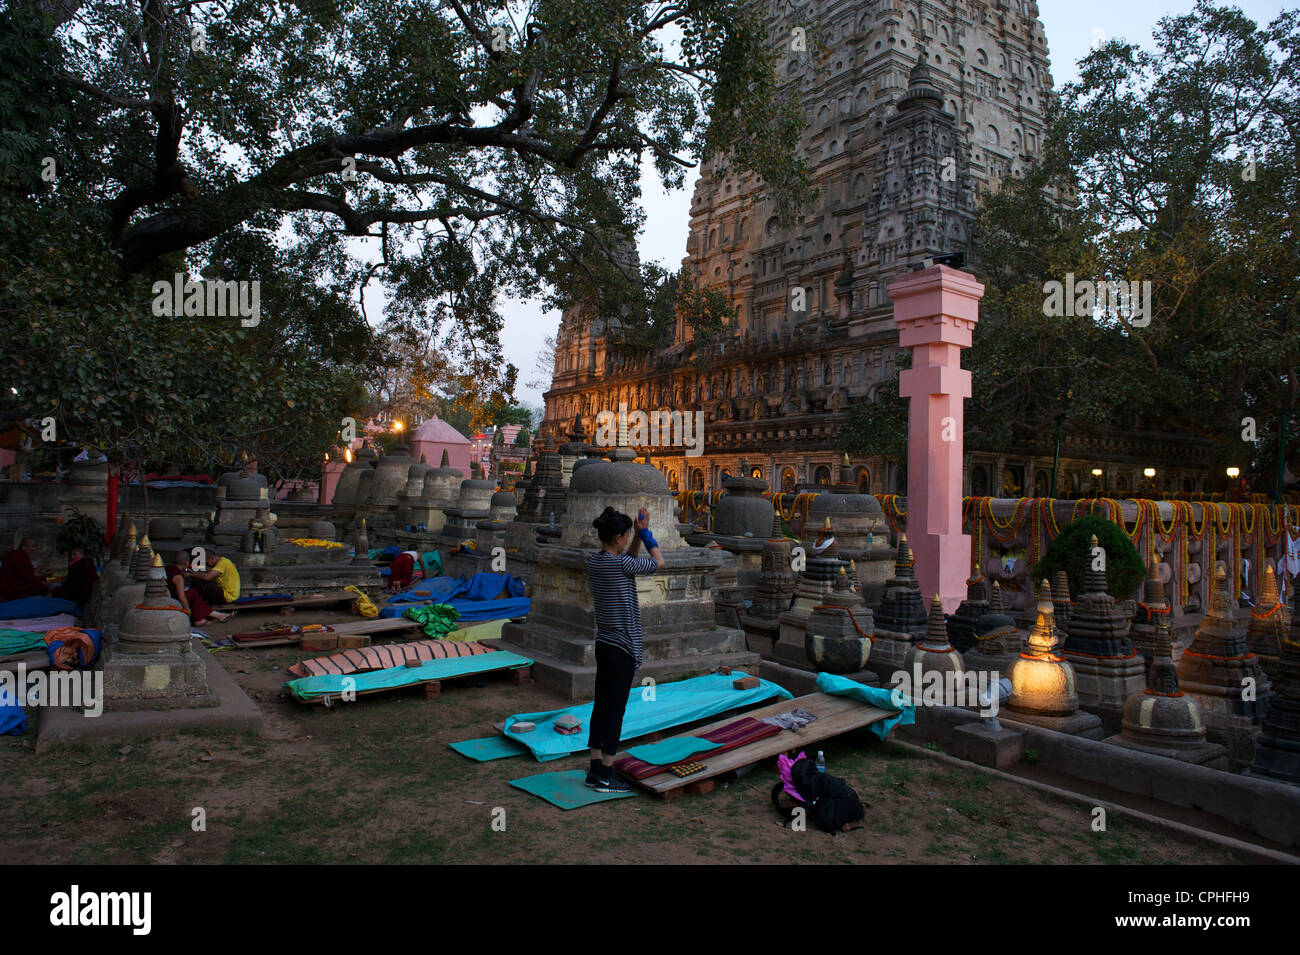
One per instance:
(613, 576)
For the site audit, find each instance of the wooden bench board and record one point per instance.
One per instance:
(321, 600)
(835, 715)
(32, 659)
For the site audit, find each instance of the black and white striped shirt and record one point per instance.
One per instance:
(613, 590)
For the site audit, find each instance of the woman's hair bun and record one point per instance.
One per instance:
(610, 524)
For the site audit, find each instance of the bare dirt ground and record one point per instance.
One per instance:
(374, 781)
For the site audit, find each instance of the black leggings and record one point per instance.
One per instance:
(615, 670)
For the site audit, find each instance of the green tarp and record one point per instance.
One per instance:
(489, 748)
(878, 697)
(436, 620)
(649, 709)
(568, 790)
(20, 641)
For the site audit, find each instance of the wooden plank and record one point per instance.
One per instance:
(313, 600)
(377, 625)
(835, 715)
(32, 659)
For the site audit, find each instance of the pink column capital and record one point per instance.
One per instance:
(936, 311)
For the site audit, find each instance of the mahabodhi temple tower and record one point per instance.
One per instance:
(914, 107)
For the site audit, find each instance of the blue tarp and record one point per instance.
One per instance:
(472, 610)
(25, 607)
(672, 704)
(13, 720)
(254, 598)
(875, 696)
(484, 586)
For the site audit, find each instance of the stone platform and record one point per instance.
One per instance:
(234, 712)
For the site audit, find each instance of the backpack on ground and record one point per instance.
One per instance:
(832, 803)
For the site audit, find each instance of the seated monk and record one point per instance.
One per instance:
(18, 577)
(219, 583)
(80, 582)
(400, 571)
(190, 600)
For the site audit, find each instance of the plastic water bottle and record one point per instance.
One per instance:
(821, 762)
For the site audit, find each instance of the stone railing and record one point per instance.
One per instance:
(1010, 535)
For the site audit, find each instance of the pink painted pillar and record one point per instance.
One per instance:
(936, 311)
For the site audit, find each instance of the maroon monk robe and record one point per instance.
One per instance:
(199, 608)
(80, 582)
(18, 577)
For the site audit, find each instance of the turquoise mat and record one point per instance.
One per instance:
(671, 751)
(871, 695)
(311, 687)
(489, 748)
(674, 704)
(566, 790)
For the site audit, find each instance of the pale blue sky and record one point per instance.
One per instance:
(1071, 27)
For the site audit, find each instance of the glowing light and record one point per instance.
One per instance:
(1234, 473)
(1149, 472)
(397, 426)
(347, 454)
(1096, 472)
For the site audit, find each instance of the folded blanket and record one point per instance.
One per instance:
(40, 624)
(257, 598)
(26, 607)
(387, 656)
(20, 641)
(738, 733)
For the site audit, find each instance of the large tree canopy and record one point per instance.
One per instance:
(449, 153)
(1185, 161)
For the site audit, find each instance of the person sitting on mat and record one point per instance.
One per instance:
(80, 582)
(18, 577)
(219, 583)
(191, 600)
(401, 570)
(613, 574)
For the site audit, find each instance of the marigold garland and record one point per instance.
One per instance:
(314, 542)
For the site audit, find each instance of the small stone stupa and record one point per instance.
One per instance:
(1269, 623)
(962, 624)
(1162, 719)
(1107, 669)
(1061, 602)
(131, 592)
(838, 633)
(934, 652)
(1277, 748)
(246, 494)
(901, 618)
(998, 640)
(772, 594)
(1226, 679)
(1153, 615)
(152, 665)
(1043, 689)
